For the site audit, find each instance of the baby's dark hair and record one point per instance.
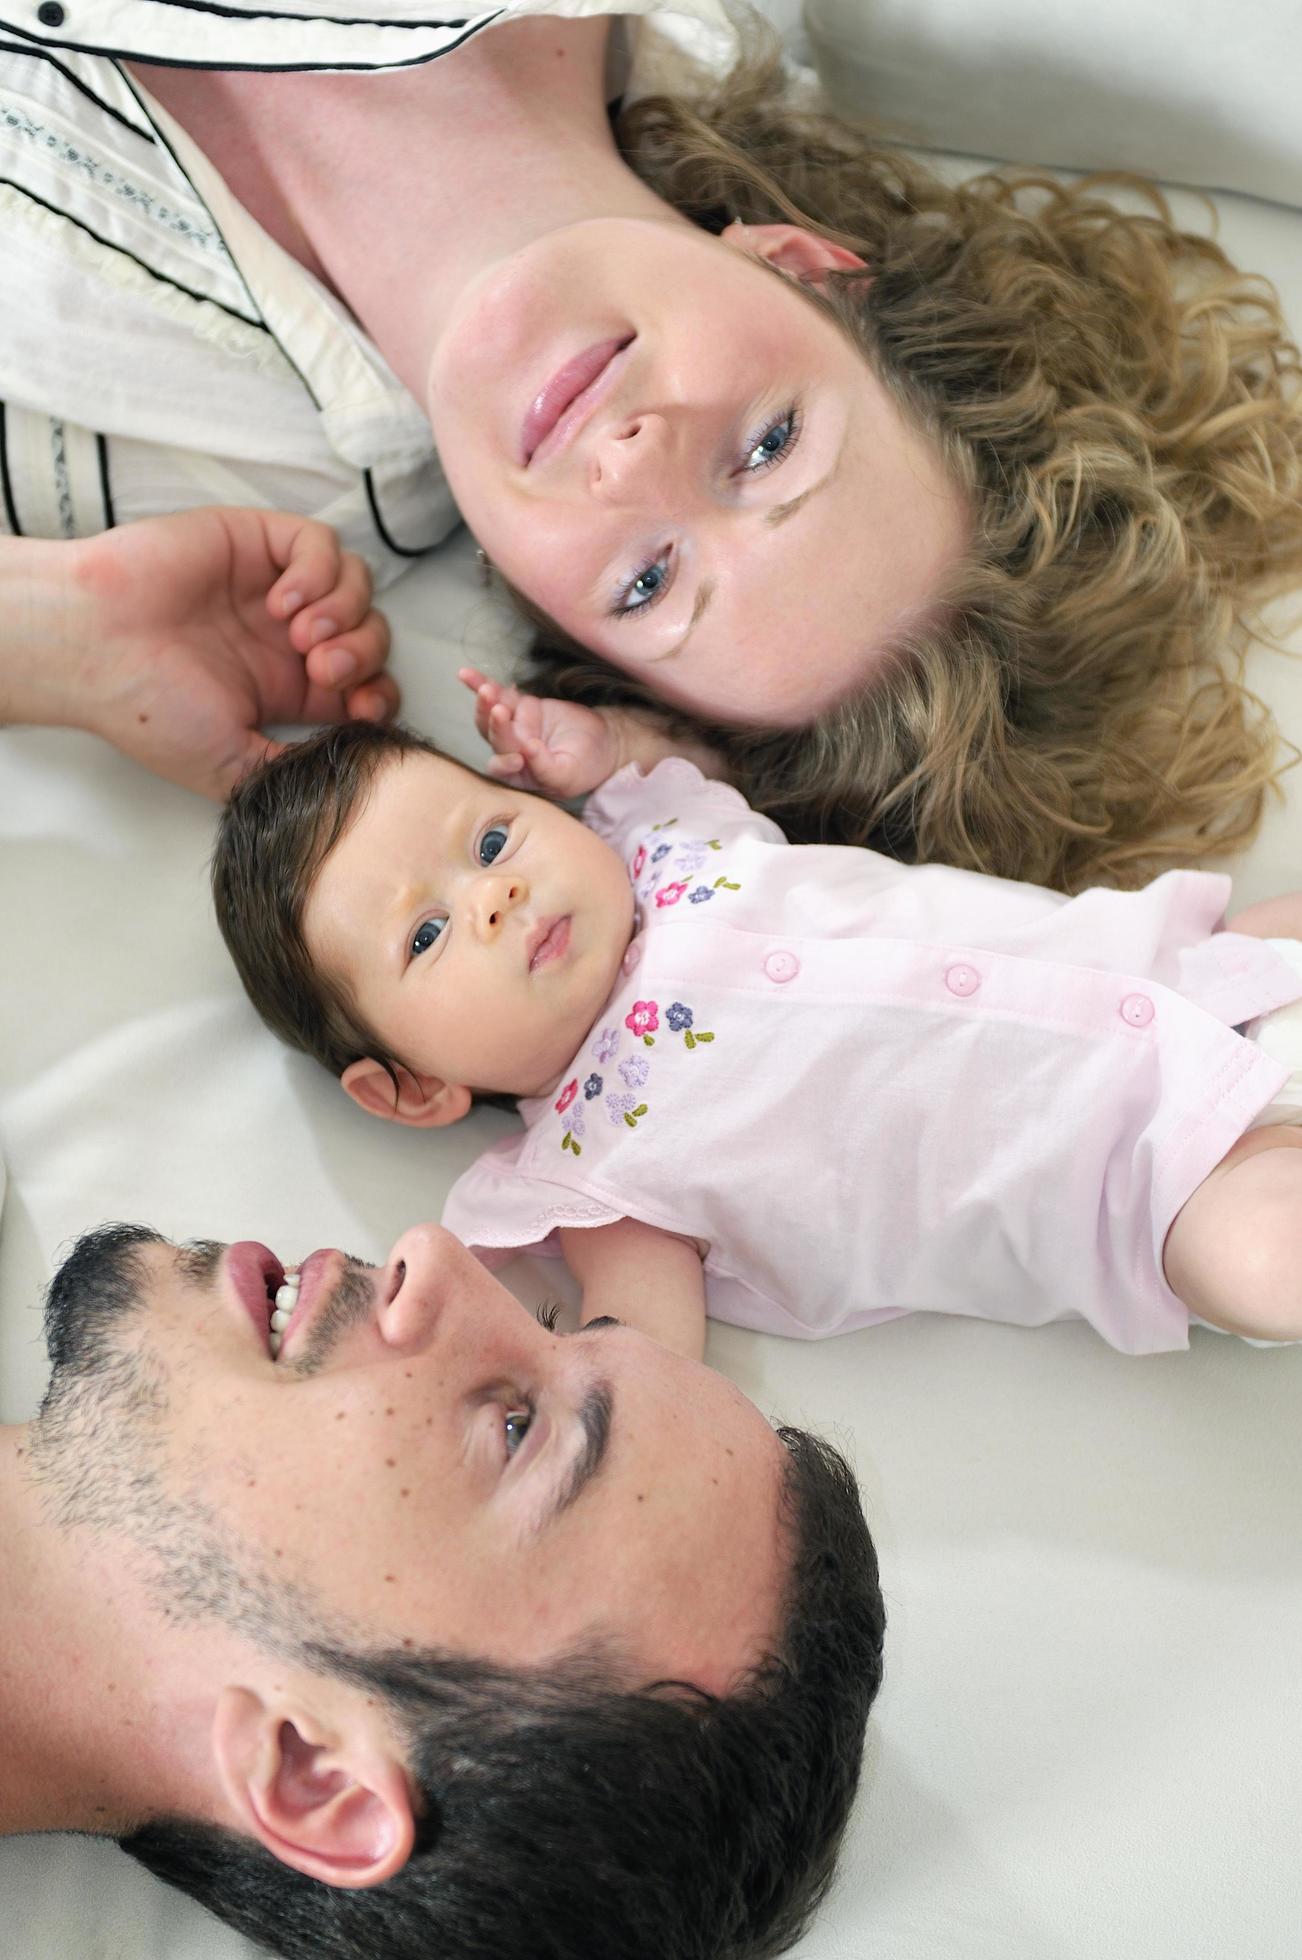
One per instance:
(276, 832)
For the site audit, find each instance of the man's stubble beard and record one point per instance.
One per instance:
(98, 1452)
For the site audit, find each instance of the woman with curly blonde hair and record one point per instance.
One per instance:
(1121, 409)
(939, 514)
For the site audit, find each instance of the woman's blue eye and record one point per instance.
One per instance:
(425, 935)
(773, 444)
(650, 584)
(516, 1427)
(492, 843)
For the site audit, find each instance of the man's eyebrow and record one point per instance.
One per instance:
(595, 1413)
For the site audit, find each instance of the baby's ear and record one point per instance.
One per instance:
(423, 1101)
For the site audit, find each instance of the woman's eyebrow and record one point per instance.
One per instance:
(704, 594)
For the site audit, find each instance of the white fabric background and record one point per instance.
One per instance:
(1089, 1744)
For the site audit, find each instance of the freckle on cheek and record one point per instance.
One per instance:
(390, 1462)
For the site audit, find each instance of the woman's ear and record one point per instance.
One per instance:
(804, 255)
(419, 1100)
(334, 1806)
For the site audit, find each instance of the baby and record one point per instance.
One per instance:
(801, 1088)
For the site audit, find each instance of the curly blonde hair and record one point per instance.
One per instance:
(1121, 406)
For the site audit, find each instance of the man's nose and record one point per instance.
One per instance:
(427, 1296)
(632, 461)
(496, 896)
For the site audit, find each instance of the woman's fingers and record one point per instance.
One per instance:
(311, 559)
(342, 606)
(353, 656)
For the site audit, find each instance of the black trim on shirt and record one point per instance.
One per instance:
(402, 550)
(300, 20)
(101, 447)
(6, 484)
(276, 67)
(110, 245)
(38, 53)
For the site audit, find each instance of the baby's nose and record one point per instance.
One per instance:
(499, 900)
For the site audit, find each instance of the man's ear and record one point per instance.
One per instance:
(336, 1807)
(420, 1100)
(791, 249)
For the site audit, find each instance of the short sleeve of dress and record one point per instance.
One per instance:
(499, 1209)
(674, 792)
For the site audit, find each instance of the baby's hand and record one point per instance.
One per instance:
(556, 747)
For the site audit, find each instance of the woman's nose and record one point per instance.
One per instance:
(497, 893)
(632, 460)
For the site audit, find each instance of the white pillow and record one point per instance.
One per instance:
(1204, 93)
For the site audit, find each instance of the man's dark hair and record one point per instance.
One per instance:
(276, 832)
(565, 1817)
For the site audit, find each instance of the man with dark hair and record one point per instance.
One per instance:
(412, 1627)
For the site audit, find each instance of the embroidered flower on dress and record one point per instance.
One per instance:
(639, 859)
(625, 1109)
(670, 894)
(604, 1047)
(660, 851)
(592, 1087)
(644, 1019)
(678, 1017)
(567, 1095)
(699, 896)
(635, 1071)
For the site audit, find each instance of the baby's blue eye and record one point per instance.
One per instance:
(516, 1426)
(492, 843)
(425, 935)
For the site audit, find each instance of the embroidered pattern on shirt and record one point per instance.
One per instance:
(626, 1105)
(656, 859)
(82, 163)
(62, 481)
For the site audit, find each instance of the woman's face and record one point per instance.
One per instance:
(731, 507)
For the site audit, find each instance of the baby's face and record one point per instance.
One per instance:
(479, 930)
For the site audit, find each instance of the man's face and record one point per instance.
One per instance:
(424, 1464)
(478, 930)
(733, 508)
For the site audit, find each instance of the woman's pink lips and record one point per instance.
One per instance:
(568, 399)
(548, 942)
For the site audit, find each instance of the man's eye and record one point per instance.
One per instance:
(516, 1424)
(425, 936)
(492, 843)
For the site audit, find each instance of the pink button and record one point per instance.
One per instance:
(632, 954)
(1137, 1009)
(962, 980)
(782, 966)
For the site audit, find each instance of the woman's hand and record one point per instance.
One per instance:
(183, 636)
(556, 747)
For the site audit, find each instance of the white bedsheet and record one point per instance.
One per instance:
(1089, 1745)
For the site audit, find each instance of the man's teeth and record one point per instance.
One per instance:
(286, 1301)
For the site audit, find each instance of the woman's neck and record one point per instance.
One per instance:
(400, 188)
